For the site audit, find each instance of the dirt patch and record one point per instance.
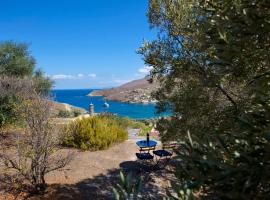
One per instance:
(91, 175)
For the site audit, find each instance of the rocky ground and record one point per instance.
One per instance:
(56, 107)
(91, 175)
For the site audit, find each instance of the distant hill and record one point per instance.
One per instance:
(137, 91)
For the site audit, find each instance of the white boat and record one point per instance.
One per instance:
(106, 105)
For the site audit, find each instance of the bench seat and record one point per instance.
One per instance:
(144, 156)
(162, 153)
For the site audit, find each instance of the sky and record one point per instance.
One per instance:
(80, 43)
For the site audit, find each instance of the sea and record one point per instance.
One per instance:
(79, 98)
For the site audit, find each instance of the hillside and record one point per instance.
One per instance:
(57, 106)
(137, 91)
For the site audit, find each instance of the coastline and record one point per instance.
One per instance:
(136, 91)
(127, 96)
(80, 98)
(59, 106)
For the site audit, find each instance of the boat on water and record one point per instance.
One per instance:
(106, 105)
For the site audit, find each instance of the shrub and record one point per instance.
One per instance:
(144, 130)
(94, 133)
(69, 114)
(34, 152)
(126, 122)
(76, 113)
(7, 110)
(65, 114)
(12, 92)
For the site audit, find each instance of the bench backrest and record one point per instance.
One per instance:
(143, 149)
(170, 146)
(174, 145)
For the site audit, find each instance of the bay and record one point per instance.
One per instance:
(79, 98)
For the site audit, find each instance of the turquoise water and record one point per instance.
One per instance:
(78, 98)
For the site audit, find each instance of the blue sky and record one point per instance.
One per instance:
(80, 43)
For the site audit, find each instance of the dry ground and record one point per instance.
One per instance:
(91, 175)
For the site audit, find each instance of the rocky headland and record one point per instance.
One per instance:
(137, 91)
(56, 107)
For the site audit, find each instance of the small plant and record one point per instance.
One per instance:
(128, 188)
(76, 113)
(180, 192)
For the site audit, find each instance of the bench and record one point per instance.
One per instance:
(145, 158)
(166, 152)
(145, 153)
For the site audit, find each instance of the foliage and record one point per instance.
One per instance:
(181, 192)
(69, 113)
(16, 62)
(212, 59)
(7, 106)
(144, 129)
(127, 122)
(128, 188)
(76, 112)
(12, 92)
(35, 149)
(94, 133)
(42, 83)
(65, 114)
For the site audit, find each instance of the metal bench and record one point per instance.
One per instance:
(166, 152)
(145, 153)
(146, 158)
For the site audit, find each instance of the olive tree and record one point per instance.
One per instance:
(12, 92)
(212, 59)
(17, 62)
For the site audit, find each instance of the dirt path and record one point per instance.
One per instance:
(86, 164)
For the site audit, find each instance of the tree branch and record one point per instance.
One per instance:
(258, 77)
(218, 86)
(228, 96)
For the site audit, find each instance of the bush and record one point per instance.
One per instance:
(12, 92)
(68, 114)
(65, 114)
(76, 113)
(34, 151)
(126, 122)
(94, 133)
(144, 128)
(7, 110)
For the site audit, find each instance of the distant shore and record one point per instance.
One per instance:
(137, 91)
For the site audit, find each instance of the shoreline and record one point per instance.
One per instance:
(86, 112)
(112, 97)
(133, 110)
